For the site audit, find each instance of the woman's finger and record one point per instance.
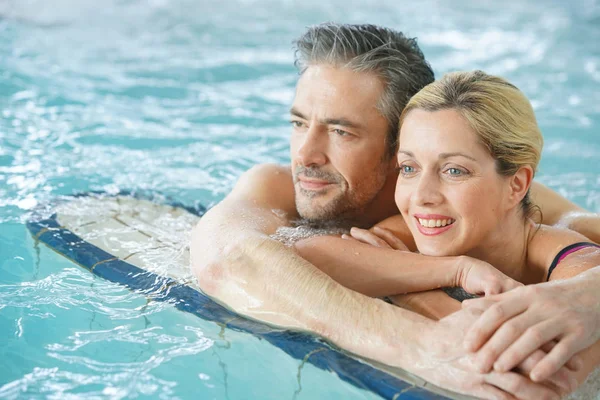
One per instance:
(390, 238)
(368, 237)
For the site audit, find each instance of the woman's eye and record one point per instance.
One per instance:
(456, 172)
(406, 169)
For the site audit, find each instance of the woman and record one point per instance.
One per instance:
(468, 149)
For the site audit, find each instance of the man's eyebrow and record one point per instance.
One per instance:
(297, 113)
(342, 122)
(329, 121)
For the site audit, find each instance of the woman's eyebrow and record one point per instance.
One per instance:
(441, 156)
(456, 154)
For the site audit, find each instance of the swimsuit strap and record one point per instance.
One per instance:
(566, 251)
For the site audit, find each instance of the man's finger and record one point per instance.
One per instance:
(523, 345)
(563, 378)
(490, 321)
(559, 355)
(481, 303)
(491, 392)
(502, 339)
(521, 387)
(575, 363)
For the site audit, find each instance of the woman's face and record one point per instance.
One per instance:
(448, 190)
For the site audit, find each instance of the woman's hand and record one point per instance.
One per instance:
(475, 276)
(378, 237)
(479, 277)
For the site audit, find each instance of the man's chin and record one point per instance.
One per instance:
(316, 211)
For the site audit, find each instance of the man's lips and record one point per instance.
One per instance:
(313, 184)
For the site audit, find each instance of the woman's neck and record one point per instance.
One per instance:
(506, 247)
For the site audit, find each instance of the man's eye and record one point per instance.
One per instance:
(341, 132)
(296, 124)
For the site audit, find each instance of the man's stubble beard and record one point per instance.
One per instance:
(346, 206)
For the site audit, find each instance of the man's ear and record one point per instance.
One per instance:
(519, 184)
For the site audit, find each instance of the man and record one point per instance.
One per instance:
(354, 83)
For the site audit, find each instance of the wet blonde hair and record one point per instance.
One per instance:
(497, 111)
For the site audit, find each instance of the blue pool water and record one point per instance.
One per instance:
(183, 96)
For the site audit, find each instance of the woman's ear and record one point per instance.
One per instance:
(519, 184)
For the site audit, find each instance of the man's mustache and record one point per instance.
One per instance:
(316, 173)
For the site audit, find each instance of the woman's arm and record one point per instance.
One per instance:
(376, 271)
(371, 266)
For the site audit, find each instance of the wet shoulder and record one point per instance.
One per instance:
(545, 243)
(267, 185)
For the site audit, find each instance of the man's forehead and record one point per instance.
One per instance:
(335, 94)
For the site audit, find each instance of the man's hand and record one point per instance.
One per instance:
(479, 277)
(516, 323)
(445, 364)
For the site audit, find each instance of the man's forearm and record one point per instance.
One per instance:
(586, 223)
(263, 279)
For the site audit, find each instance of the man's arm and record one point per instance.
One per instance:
(575, 300)
(556, 210)
(237, 263)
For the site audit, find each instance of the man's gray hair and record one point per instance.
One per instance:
(394, 58)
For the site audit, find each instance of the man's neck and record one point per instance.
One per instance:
(383, 205)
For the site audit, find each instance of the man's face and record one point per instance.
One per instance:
(338, 148)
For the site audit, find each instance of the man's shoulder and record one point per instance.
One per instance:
(269, 185)
(266, 176)
(269, 172)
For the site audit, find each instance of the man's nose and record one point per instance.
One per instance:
(312, 150)
(428, 191)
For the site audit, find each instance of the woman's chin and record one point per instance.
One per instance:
(436, 251)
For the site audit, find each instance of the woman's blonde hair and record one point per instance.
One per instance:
(498, 112)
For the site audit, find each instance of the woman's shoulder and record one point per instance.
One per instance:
(548, 243)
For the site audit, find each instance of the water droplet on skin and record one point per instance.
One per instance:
(279, 213)
(289, 235)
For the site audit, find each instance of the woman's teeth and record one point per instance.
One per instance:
(435, 223)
